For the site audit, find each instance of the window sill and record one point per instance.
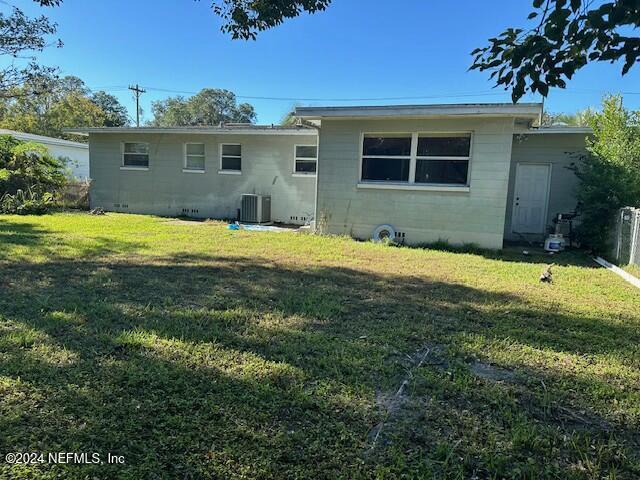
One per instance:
(140, 169)
(191, 170)
(303, 175)
(413, 186)
(229, 172)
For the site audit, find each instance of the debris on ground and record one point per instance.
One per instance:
(392, 403)
(546, 276)
(97, 211)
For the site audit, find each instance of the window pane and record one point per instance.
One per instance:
(306, 151)
(231, 163)
(136, 148)
(444, 146)
(305, 166)
(442, 171)
(195, 162)
(136, 160)
(387, 146)
(390, 169)
(195, 148)
(232, 150)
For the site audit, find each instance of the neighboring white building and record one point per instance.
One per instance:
(75, 154)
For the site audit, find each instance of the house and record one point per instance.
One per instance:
(74, 154)
(472, 173)
(467, 173)
(203, 171)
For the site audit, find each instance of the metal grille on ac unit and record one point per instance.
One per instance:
(255, 208)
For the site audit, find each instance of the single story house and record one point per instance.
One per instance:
(465, 173)
(74, 154)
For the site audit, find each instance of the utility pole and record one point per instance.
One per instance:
(138, 91)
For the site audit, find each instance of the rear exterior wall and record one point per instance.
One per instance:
(467, 215)
(165, 189)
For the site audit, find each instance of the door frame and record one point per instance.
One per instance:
(546, 197)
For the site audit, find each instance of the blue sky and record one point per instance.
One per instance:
(356, 49)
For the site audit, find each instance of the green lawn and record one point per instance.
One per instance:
(198, 352)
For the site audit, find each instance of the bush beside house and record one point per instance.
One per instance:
(30, 178)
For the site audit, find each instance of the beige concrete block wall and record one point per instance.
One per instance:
(474, 216)
(164, 189)
(558, 149)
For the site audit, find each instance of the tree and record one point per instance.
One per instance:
(568, 34)
(610, 173)
(243, 19)
(20, 38)
(210, 106)
(67, 103)
(116, 114)
(578, 119)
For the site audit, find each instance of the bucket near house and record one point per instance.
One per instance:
(554, 243)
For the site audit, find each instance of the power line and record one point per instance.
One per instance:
(343, 99)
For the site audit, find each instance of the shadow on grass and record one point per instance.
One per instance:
(200, 366)
(514, 253)
(23, 234)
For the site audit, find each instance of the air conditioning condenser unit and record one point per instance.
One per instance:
(255, 208)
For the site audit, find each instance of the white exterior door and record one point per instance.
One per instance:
(530, 198)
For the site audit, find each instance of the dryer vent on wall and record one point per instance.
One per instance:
(255, 208)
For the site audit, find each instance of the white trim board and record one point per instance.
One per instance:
(618, 271)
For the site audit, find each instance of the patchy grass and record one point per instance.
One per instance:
(633, 270)
(198, 352)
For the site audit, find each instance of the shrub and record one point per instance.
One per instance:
(30, 178)
(610, 173)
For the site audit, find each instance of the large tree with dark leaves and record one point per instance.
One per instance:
(565, 36)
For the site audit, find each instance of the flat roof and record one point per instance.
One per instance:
(31, 137)
(558, 129)
(521, 110)
(233, 129)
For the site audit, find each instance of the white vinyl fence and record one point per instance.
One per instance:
(626, 246)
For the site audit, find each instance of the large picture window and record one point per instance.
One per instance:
(425, 159)
(386, 158)
(135, 155)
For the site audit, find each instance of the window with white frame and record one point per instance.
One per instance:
(443, 159)
(420, 158)
(386, 158)
(231, 157)
(194, 156)
(135, 155)
(306, 159)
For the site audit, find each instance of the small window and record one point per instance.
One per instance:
(135, 155)
(306, 159)
(231, 157)
(386, 158)
(194, 156)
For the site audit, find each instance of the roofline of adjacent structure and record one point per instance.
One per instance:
(552, 130)
(520, 110)
(42, 139)
(228, 130)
